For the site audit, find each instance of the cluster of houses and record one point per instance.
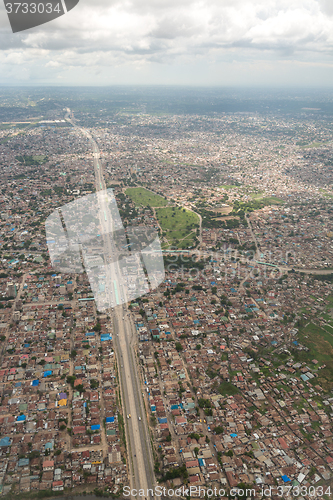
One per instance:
(59, 413)
(232, 393)
(227, 396)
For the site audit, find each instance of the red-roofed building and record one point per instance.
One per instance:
(283, 443)
(57, 485)
(79, 429)
(181, 421)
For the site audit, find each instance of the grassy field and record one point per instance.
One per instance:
(320, 342)
(257, 196)
(325, 193)
(228, 389)
(268, 200)
(5, 126)
(141, 196)
(229, 186)
(313, 145)
(223, 210)
(177, 225)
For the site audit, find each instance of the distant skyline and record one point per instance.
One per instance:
(217, 42)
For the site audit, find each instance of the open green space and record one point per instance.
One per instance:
(313, 145)
(325, 193)
(257, 196)
(6, 126)
(240, 207)
(305, 310)
(329, 304)
(178, 225)
(267, 200)
(229, 186)
(320, 342)
(142, 196)
(228, 389)
(328, 329)
(32, 160)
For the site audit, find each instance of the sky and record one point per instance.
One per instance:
(175, 42)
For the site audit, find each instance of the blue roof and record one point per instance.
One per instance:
(285, 479)
(109, 419)
(163, 420)
(47, 373)
(233, 435)
(23, 462)
(21, 418)
(95, 427)
(5, 441)
(105, 336)
(35, 383)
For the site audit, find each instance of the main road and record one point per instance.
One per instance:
(139, 446)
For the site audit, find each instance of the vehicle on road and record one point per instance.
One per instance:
(140, 419)
(129, 415)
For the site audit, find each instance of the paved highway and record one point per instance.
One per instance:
(139, 450)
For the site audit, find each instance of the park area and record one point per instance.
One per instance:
(141, 196)
(320, 342)
(178, 225)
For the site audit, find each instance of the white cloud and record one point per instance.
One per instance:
(108, 35)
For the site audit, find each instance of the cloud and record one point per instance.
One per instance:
(103, 34)
(326, 6)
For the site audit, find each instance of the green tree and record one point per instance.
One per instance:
(179, 346)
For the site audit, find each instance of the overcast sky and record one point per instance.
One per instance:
(207, 42)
